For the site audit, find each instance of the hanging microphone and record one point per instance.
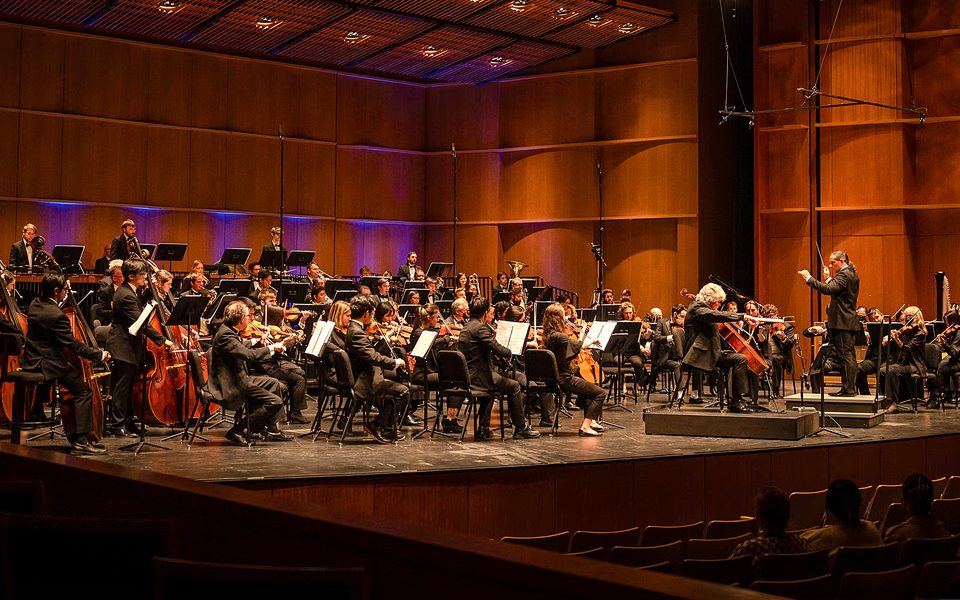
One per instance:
(599, 170)
(280, 130)
(453, 149)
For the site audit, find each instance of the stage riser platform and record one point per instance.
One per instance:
(856, 404)
(857, 420)
(791, 425)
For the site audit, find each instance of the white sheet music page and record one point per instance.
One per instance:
(322, 330)
(424, 343)
(144, 315)
(601, 331)
(512, 335)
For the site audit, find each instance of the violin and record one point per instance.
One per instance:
(947, 333)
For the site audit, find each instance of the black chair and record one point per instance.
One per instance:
(687, 373)
(801, 565)
(594, 553)
(889, 584)
(928, 380)
(894, 515)
(543, 377)
(455, 381)
(865, 559)
(814, 588)
(555, 542)
(10, 346)
(939, 579)
(126, 545)
(350, 402)
(178, 579)
(737, 570)
(919, 551)
(584, 540)
(947, 511)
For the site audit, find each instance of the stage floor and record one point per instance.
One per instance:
(219, 461)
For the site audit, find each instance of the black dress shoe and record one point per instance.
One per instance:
(377, 433)
(297, 417)
(451, 426)
(842, 394)
(527, 433)
(135, 429)
(122, 432)
(548, 424)
(276, 436)
(393, 436)
(82, 446)
(411, 421)
(590, 432)
(235, 437)
(483, 434)
(737, 407)
(694, 400)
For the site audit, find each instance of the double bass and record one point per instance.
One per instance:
(19, 321)
(82, 331)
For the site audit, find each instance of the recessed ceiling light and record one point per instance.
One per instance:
(627, 27)
(499, 61)
(168, 6)
(354, 37)
(432, 51)
(596, 21)
(519, 5)
(266, 23)
(562, 14)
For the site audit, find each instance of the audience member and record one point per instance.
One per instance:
(917, 500)
(843, 503)
(773, 512)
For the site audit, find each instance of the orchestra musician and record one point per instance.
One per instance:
(412, 297)
(318, 295)
(127, 349)
(478, 344)
(383, 290)
(868, 366)
(949, 344)
(606, 297)
(637, 362)
(433, 296)
(910, 339)
(313, 275)
(667, 349)
(164, 280)
(557, 339)
(459, 310)
(120, 246)
(230, 380)
(340, 315)
(253, 269)
(366, 271)
(264, 282)
(827, 358)
(103, 263)
(22, 252)
(274, 243)
(368, 365)
(48, 334)
(503, 284)
(426, 370)
(843, 289)
(280, 367)
(9, 280)
(704, 351)
(103, 308)
(408, 270)
(776, 342)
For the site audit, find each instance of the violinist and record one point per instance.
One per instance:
(340, 315)
(558, 339)
(103, 309)
(704, 351)
(22, 252)
(281, 368)
(120, 246)
(637, 361)
(776, 342)
(127, 349)
(48, 333)
(368, 365)
(949, 344)
(426, 370)
(868, 366)
(478, 343)
(666, 354)
(910, 339)
(459, 310)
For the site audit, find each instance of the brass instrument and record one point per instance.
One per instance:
(43, 259)
(474, 279)
(516, 266)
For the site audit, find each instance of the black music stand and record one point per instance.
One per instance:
(371, 281)
(404, 310)
(624, 341)
(148, 248)
(607, 312)
(335, 285)
(501, 297)
(440, 269)
(293, 292)
(587, 314)
(170, 252)
(140, 443)
(240, 287)
(344, 295)
(300, 258)
(445, 306)
(68, 257)
(272, 259)
(234, 257)
(186, 313)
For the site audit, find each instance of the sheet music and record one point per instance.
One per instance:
(601, 331)
(144, 315)
(322, 330)
(512, 335)
(424, 343)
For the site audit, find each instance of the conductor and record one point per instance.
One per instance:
(843, 289)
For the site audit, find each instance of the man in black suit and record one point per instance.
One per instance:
(703, 339)
(119, 246)
(103, 263)
(230, 380)
(48, 334)
(127, 348)
(843, 289)
(22, 252)
(478, 342)
(666, 353)
(408, 270)
(368, 364)
(275, 241)
(103, 307)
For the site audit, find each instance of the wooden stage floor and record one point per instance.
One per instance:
(302, 459)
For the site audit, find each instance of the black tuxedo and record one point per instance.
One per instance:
(368, 365)
(18, 256)
(666, 353)
(703, 339)
(230, 381)
(119, 249)
(843, 289)
(48, 335)
(103, 307)
(909, 362)
(478, 343)
(407, 271)
(101, 265)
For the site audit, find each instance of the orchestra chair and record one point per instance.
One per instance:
(800, 565)
(719, 528)
(927, 381)
(594, 553)
(894, 515)
(938, 486)
(883, 497)
(892, 584)
(543, 377)
(947, 511)
(655, 373)
(646, 556)
(351, 403)
(687, 374)
(27, 497)
(555, 542)
(814, 588)
(939, 579)
(175, 579)
(919, 551)
(704, 548)
(10, 346)
(584, 540)
(658, 535)
(455, 380)
(951, 489)
(865, 559)
(327, 395)
(729, 571)
(806, 510)
(125, 545)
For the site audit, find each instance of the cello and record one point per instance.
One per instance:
(728, 333)
(19, 321)
(82, 331)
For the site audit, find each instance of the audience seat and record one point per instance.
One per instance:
(729, 571)
(726, 529)
(806, 510)
(785, 567)
(815, 588)
(658, 535)
(556, 542)
(894, 584)
(919, 551)
(586, 540)
(939, 580)
(702, 548)
(865, 559)
(644, 556)
(947, 511)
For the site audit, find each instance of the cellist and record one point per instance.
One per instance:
(48, 334)
(704, 351)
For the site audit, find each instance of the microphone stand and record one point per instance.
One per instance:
(453, 154)
(598, 248)
(283, 258)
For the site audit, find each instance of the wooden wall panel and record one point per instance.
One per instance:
(379, 185)
(857, 462)
(209, 91)
(553, 110)
(354, 497)
(647, 101)
(379, 113)
(732, 482)
(263, 97)
(548, 184)
(930, 59)
(467, 116)
(862, 166)
(479, 248)
(317, 91)
(10, 43)
(478, 188)
(901, 458)
(779, 23)
(253, 174)
(936, 14)
(39, 159)
(551, 250)
(934, 151)
(169, 86)
(105, 79)
(208, 170)
(783, 172)
(783, 70)
(860, 17)
(168, 167)
(380, 246)
(942, 457)
(670, 492)
(799, 470)
(579, 487)
(649, 179)
(782, 286)
(311, 172)
(104, 161)
(640, 254)
(868, 70)
(519, 501)
(42, 70)
(424, 502)
(9, 142)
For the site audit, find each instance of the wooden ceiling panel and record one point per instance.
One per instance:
(609, 27)
(258, 25)
(73, 12)
(450, 44)
(144, 17)
(498, 63)
(535, 18)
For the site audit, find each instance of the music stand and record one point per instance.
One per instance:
(170, 252)
(607, 312)
(344, 295)
(587, 314)
(187, 313)
(404, 310)
(624, 341)
(445, 307)
(234, 257)
(272, 259)
(239, 287)
(440, 269)
(292, 292)
(501, 297)
(371, 281)
(149, 248)
(538, 311)
(68, 257)
(335, 285)
(300, 258)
